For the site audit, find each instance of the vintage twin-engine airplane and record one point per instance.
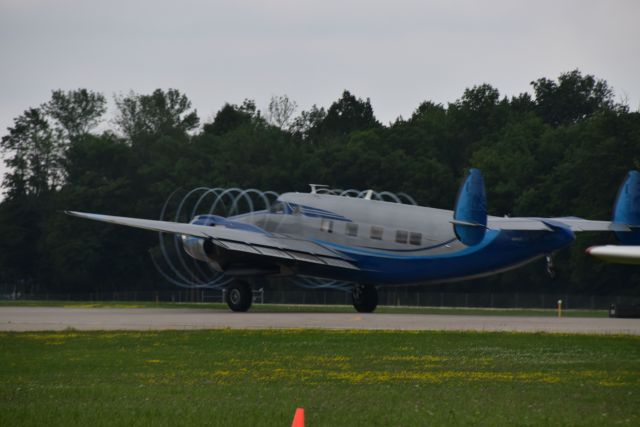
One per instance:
(373, 243)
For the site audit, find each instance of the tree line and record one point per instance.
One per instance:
(562, 149)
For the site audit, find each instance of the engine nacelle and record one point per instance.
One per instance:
(198, 248)
(470, 215)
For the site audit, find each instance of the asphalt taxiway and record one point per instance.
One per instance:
(61, 318)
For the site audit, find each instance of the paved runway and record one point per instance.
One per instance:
(60, 318)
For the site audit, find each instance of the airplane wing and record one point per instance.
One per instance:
(617, 254)
(543, 224)
(533, 224)
(238, 240)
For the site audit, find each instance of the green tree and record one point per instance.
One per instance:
(161, 113)
(20, 252)
(517, 159)
(572, 98)
(102, 176)
(348, 114)
(232, 116)
(76, 112)
(478, 115)
(35, 155)
(280, 111)
(307, 124)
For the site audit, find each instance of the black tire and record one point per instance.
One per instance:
(239, 296)
(365, 298)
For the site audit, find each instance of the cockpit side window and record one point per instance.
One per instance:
(277, 208)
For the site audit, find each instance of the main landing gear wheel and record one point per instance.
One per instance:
(239, 296)
(551, 268)
(365, 298)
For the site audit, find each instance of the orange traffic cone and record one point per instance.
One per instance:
(298, 418)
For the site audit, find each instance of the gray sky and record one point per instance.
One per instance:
(398, 53)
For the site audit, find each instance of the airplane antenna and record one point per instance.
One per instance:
(368, 195)
(315, 187)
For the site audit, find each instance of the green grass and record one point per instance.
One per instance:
(308, 308)
(258, 378)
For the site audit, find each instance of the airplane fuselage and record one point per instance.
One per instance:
(393, 243)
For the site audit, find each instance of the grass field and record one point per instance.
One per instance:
(258, 378)
(279, 308)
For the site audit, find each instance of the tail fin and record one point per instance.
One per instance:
(627, 209)
(470, 215)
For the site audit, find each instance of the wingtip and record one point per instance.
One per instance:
(76, 214)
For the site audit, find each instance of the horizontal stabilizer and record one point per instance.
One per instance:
(543, 224)
(515, 224)
(467, 223)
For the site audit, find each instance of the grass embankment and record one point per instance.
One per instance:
(308, 308)
(230, 377)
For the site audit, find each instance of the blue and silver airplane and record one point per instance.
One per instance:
(370, 243)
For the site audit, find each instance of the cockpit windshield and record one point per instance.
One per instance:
(204, 220)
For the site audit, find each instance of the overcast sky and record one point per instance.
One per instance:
(398, 53)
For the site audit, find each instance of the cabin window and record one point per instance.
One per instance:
(415, 239)
(351, 229)
(402, 236)
(376, 232)
(326, 226)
